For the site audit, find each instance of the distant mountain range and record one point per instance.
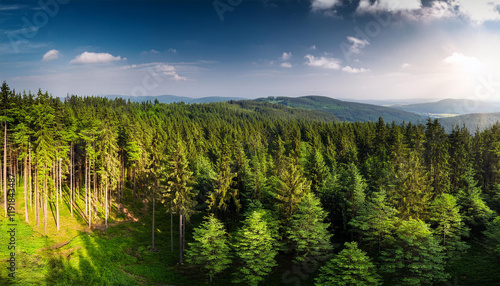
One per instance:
(450, 107)
(345, 110)
(173, 98)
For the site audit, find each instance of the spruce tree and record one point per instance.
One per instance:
(448, 226)
(211, 247)
(308, 231)
(351, 267)
(415, 258)
(255, 250)
(376, 222)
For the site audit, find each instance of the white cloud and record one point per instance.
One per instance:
(405, 65)
(480, 11)
(349, 69)
(152, 51)
(158, 69)
(50, 55)
(93, 58)
(286, 65)
(318, 5)
(323, 62)
(313, 48)
(172, 50)
(286, 56)
(357, 44)
(466, 63)
(365, 6)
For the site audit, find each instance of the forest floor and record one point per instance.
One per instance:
(121, 254)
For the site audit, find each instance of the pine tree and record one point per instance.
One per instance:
(415, 258)
(473, 208)
(492, 234)
(224, 200)
(255, 250)
(376, 222)
(447, 225)
(352, 188)
(292, 188)
(180, 190)
(351, 267)
(308, 231)
(317, 171)
(211, 247)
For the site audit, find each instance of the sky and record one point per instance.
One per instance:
(349, 49)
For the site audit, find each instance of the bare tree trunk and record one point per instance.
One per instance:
(71, 178)
(29, 172)
(180, 238)
(153, 228)
(86, 195)
(56, 177)
(106, 207)
(133, 192)
(5, 168)
(90, 199)
(171, 230)
(184, 234)
(37, 202)
(26, 187)
(45, 202)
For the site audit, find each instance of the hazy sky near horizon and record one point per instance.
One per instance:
(358, 49)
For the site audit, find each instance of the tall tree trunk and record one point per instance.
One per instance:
(133, 192)
(106, 207)
(180, 238)
(56, 177)
(37, 202)
(26, 187)
(171, 230)
(90, 200)
(5, 168)
(153, 228)
(45, 200)
(29, 172)
(71, 178)
(184, 233)
(86, 183)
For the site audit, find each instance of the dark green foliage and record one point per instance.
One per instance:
(351, 267)
(448, 227)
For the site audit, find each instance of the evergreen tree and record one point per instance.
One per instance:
(351, 267)
(447, 224)
(255, 250)
(376, 222)
(415, 258)
(492, 234)
(292, 188)
(473, 208)
(211, 247)
(179, 190)
(308, 231)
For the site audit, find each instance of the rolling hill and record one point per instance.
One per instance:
(450, 107)
(472, 121)
(174, 98)
(345, 110)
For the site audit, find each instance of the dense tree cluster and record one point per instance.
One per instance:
(407, 198)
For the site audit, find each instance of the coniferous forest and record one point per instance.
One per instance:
(113, 192)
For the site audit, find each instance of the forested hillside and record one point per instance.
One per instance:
(246, 193)
(345, 110)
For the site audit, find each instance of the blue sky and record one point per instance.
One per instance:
(354, 49)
